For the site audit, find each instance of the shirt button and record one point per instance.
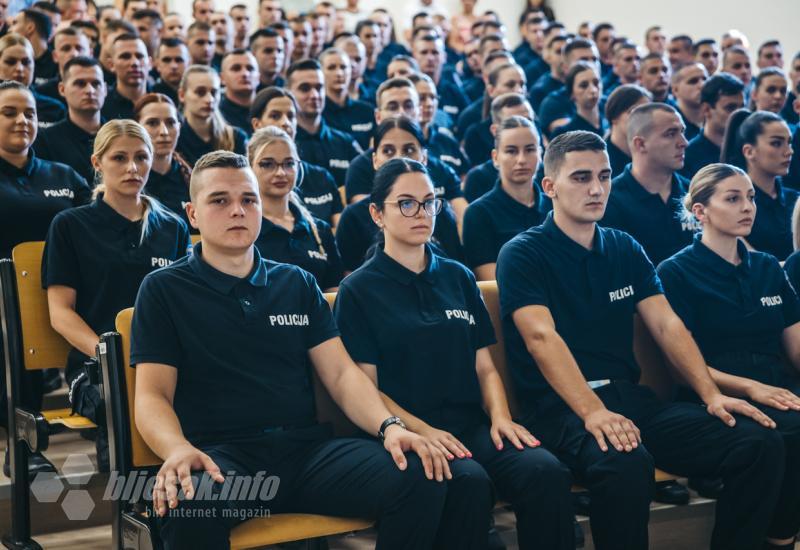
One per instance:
(246, 302)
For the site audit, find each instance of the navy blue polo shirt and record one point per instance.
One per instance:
(732, 308)
(65, 142)
(329, 148)
(421, 331)
(480, 180)
(493, 220)
(44, 67)
(452, 100)
(556, 105)
(278, 81)
(442, 145)
(240, 345)
(772, 229)
(473, 114)
(356, 118)
(699, 153)
(191, 146)
(591, 294)
(31, 196)
(172, 190)
(787, 113)
(236, 115)
(692, 129)
(535, 69)
(580, 123)
(792, 268)
(474, 88)
(161, 87)
(542, 88)
(479, 142)
(657, 225)
(361, 174)
(524, 54)
(618, 158)
(357, 234)
(49, 88)
(100, 254)
(610, 82)
(116, 105)
(317, 189)
(48, 110)
(300, 247)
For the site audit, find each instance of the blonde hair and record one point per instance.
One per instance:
(154, 211)
(796, 225)
(704, 184)
(222, 136)
(266, 136)
(14, 39)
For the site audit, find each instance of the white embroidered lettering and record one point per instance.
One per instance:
(620, 294)
(771, 301)
(460, 314)
(289, 320)
(58, 193)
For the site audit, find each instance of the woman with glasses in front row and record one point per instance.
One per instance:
(430, 359)
(289, 233)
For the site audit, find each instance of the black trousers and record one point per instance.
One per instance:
(318, 475)
(680, 438)
(533, 481)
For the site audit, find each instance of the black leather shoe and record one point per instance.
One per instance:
(671, 492)
(706, 487)
(580, 540)
(36, 463)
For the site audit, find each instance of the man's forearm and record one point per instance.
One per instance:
(359, 399)
(158, 424)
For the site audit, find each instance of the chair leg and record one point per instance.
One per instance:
(20, 536)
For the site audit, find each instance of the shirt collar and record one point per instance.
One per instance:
(575, 250)
(27, 169)
(390, 267)
(513, 203)
(780, 196)
(114, 219)
(677, 190)
(717, 263)
(222, 282)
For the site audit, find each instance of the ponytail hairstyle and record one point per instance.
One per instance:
(138, 107)
(704, 185)
(222, 135)
(266, 136)
(154, 212)
(743, 128)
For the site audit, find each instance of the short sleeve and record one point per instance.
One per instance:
(60, 260)
(83, 194)
(678, 293)
(358, 180)
(337, 204)
(352, 243)
(792, 267)
(790, 304)
(357, 333)
(521, 278)
(239, 141)
(154, 337)
(483, 332)
(449, 180)
(478, 237)
(184, 239)
(321, 326)
(646, 281)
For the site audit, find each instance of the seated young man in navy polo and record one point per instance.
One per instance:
(221, 342)
(722, 94)
(568, 292)
(645, 201)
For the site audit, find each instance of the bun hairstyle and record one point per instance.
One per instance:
(704, 184)
(743, 128)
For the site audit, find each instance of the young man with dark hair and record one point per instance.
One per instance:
(342, 112)
(788, 113)
(428, 50)
(368, 33)
(240, 16)
(268, 48)
(171, 60)
(68, 43)
(37, 27)
(200, 39)
(71, 141)
(770, 54)
(687, 83)
(239, 76)
(655, 76)
(223, 41)
(269, 12)
(317, 142)
(202, 10)
(554, 79)
(174, 27)
(529, 53)
(736, 61)
(149, 24)
(706, 52)
(625, 69)
(603, 36)
(569, 290)
(655, 41)
(679, 50)
(129, 7)
(131, 67)
(722, 94)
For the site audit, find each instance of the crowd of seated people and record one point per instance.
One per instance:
(595, 177)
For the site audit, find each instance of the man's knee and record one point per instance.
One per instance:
(623, 469)
(413, 484)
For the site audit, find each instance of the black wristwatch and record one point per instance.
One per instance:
(388, 422)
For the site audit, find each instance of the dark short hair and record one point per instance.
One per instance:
(147, 14)
(114, 25)
(171, 42)
(719, 85)
(41, 22)
(768, 44)
(127, 37)
(704, 42)
(600, 28)
(569, 142)
(264, 33)
(266, 95)
(216, 159)
(46, 6)
(577, 44)
(683, 38)
(397, 82)
(364, 23)
(198, 26)
(504, 101)
(302, 65)
(81, 61)
(79, 24)
(622, 99)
